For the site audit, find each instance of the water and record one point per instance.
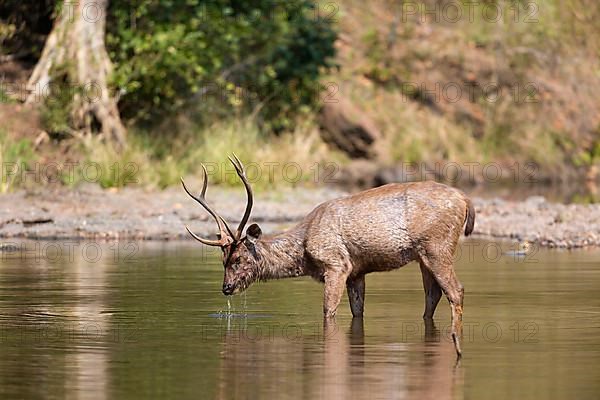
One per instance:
(105, 322)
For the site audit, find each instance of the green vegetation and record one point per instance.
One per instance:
(288, 159)
(4, 98)
(196, 80)
(219, 58)
(15, 157)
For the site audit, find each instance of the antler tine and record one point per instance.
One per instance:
(239, 168)
(223, 227)
(205, 182)
(204, 241)
(203, 196)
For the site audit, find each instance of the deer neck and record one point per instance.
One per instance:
(282, 255)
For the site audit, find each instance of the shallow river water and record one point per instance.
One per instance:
(141, 320)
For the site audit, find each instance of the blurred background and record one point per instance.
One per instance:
(351, 92)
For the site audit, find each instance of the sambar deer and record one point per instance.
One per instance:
(342, 240)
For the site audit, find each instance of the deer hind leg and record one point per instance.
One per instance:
(433, 292)
(356, 295)
(444, 275)
(335, 280)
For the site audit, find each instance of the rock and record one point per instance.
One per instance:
(358, 173)
(349, 129)
(535, 200)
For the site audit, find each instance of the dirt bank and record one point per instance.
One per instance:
(92, 213)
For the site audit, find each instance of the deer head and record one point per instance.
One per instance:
(240, 258)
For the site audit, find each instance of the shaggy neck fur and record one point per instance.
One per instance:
(281, 256)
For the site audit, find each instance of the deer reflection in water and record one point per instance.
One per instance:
(338, 365)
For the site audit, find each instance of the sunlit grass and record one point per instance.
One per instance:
(292, 158)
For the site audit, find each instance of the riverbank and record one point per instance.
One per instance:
(134, 214)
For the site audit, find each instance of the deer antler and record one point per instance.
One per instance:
(239, 168)
(226, 237)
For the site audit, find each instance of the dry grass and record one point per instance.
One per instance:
(546, 67)
(289, 159)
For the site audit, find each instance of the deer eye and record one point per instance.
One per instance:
(236, 263)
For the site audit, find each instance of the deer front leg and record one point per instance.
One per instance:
(356, 295)
(335, 281)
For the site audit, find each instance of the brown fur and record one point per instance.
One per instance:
(342, 240)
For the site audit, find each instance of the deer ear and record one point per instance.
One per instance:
(253, 233)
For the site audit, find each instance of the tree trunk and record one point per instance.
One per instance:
(75, 52)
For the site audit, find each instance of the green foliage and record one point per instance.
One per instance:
(588, 157)
(15, 157)
(59, 99)
(57, 104)
(7, 31)
(23, 26)
(263, 55)
(4, 97)
(54, 114)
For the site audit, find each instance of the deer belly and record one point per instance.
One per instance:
(382, 261)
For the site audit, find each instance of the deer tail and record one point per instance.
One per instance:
(470, 217)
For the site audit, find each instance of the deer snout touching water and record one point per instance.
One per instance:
(342, 240)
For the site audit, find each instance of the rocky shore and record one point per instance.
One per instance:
(134, 214)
